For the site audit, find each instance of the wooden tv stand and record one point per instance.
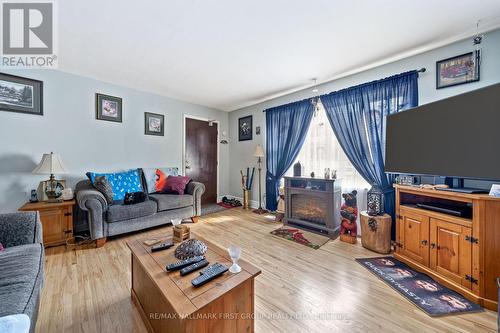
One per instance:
(459, 252)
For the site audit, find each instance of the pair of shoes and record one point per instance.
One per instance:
(231, 202)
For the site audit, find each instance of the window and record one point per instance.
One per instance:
(322, 150)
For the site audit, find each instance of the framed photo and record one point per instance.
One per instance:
(154, 124)
(245, 128)
(257, 130)
(21, 94)
(457, 70)
(108, 108)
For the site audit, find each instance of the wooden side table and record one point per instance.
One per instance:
(376, 232)
(57, 220)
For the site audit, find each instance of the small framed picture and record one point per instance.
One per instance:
(108, 108)
(257, 130)
(245, 128)
(21, 94)
(154, 124)
(457, 70)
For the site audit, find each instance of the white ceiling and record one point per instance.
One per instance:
(228, 54)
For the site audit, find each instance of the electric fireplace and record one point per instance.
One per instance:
(314, 204)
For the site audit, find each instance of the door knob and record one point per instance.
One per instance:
(424, 242)
(433, 245)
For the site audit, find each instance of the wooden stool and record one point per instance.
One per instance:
(376, 232)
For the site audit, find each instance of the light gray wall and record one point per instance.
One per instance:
(69, 128)
(241, 153)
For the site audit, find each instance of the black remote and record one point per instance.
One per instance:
(193, 267)
(162, 246)
(209, 274)
(183, 263)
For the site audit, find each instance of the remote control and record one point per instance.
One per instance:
(183, 263)
(209, 274)
(162, 246)
(193, 267)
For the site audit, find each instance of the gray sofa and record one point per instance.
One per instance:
(21, 264)
(109, 220)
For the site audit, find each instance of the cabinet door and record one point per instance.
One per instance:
(450, 252)
(415, 236)
(68, 224)
(53, 224)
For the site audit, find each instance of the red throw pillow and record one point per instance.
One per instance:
(176, 184)
(161, 181)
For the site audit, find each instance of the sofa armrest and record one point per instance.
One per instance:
(20, 228)
(93, 202)
(196, 190)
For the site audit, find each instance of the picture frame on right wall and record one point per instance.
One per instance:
(458, 70)
(245, 128)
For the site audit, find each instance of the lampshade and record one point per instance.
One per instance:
(259, 152)
(50, 164)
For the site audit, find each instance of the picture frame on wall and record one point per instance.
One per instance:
(21, 94)
(458, 70)
(108, 108)
(245, 129)
(154, 124)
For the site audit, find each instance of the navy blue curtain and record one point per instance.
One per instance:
(358, 118)
(286, 129)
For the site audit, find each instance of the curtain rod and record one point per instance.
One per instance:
(421, 70)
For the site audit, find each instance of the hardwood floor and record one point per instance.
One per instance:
(88, 290)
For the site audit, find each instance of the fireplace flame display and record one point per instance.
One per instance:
(308, 208)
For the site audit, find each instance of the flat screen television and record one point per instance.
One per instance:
(454, 137)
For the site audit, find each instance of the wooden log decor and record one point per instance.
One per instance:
(376, 232)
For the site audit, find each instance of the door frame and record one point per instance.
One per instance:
(188, 116)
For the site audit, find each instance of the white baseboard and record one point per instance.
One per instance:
(253, 204)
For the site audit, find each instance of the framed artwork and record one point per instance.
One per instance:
(257, 130)
(154, 124)
(21, 94)
(245, 128)
(108, 108)
(457, 70)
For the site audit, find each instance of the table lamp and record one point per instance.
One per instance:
(259, 153)
(49, 165)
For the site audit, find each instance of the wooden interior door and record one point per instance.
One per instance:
(415, 236)
(450, 252)
(201, 156)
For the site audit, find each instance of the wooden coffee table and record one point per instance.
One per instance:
(169, 303)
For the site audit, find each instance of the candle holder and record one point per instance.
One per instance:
(235, 254)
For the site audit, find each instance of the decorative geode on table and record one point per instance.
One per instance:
(190, 248)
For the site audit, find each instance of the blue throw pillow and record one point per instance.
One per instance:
(121, 182)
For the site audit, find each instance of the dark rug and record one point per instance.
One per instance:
(211, 209)
(431, 297)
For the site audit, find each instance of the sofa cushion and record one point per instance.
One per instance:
(172, 201)
(155, 177)
(117, 212)
(121, 182)
(20, 279)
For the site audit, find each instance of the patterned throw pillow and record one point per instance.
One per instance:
(176, 184)
(154, 180)
(121, 182)
(102, 185)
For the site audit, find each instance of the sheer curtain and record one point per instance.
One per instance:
(322, 150)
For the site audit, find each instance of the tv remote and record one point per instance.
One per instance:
(183, 263)
(209, 274)
(193, 267)
(162, 246)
